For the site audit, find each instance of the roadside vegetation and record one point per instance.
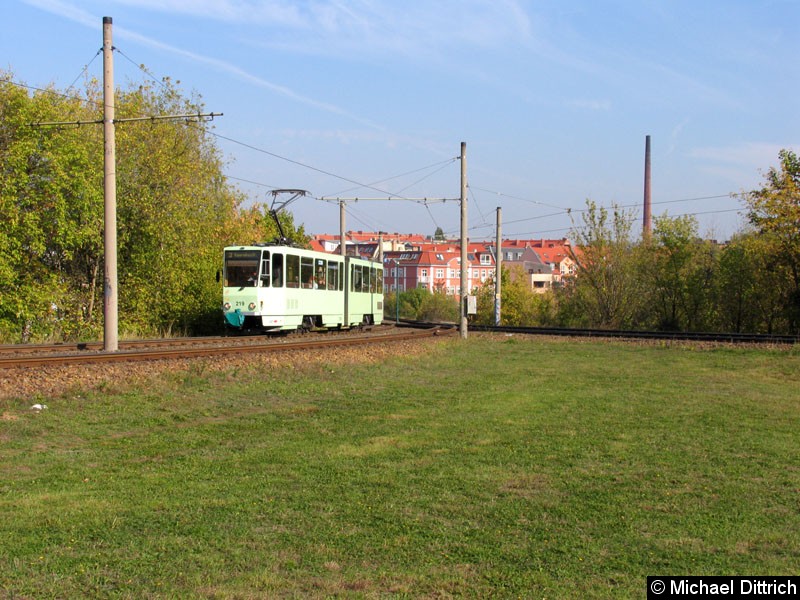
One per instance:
(177, 210)
(675, 280)
(497, 467)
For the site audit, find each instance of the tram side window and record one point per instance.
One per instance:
(380, 280)
(373, 280)
(265, 269)
(321, 273)
(333, 275)
(277, 270)
(306, 272)
(365, 279)
(355, 272)
(292, 271)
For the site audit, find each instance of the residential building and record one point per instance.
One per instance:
(413, 261)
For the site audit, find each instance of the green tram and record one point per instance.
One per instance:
(273, 288)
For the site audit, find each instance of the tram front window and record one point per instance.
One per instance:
(241, 268)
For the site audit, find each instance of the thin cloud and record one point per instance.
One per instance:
(68, 11)
(760, 154)
(82, 17)
(366, 27)
(742, 164)
(593, 105)
(675, 134)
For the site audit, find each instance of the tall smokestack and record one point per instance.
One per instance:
(646, 220)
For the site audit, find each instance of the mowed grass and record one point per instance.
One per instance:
(495, 467)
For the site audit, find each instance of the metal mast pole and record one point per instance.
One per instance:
(464, 242)
(647, 224)
(110, 338)
(345, 266)
(498, 268)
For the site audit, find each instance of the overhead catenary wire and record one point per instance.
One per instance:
(393, 195)
(573, 227)
(477, 204)
(85, 68)
(443, 163)
(141, 67)
(512, 197)
(266, 185)
(52, 91)
(428, 176)
(301, 164)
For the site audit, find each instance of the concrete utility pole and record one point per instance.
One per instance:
(110, 310)
(110, 329)
(647, 226)
(464, 242)
(498, 268)
(346, 275)
(463, 199)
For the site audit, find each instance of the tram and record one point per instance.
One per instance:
(276, 287)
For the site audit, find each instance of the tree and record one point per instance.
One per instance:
(750, 294)
(520, 305)
(679, 269)
(774, 211)
(175, 213)
(48, 197)
(607, 290)
(438, 307)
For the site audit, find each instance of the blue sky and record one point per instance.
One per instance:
(554, 98)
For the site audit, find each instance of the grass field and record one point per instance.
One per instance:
(497, 467)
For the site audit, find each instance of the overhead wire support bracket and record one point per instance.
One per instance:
(204, 117)
(200, 117)
(388, 199)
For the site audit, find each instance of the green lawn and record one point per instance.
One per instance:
(495, 467)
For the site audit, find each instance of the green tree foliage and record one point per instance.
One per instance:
(49, 197)
(678, 270)
(774, 212)
(173, 203)
(607, 289)
(750, 294)
(520, 305)
(420, 304)
(175, 213)
(439, 307)
(411, 302)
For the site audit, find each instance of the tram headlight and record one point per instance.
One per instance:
(252, 306)
(226, 306)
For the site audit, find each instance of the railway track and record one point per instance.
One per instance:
(735, 338)
(21, 355)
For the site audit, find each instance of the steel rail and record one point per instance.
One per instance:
(195, 351)
(736, 338)
(149, 342)
(87, 346)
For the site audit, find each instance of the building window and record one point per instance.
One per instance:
(485, 259)
(440, 273)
